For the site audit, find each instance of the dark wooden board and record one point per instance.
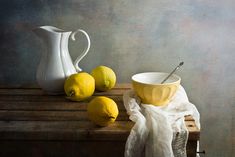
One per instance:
(36, 123)
(71, 148)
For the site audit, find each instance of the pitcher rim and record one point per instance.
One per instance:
(53, 29)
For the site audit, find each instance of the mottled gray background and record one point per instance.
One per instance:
(134, 36)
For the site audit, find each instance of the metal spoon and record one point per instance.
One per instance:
(181, 63)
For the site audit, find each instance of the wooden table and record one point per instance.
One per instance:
(34, 124)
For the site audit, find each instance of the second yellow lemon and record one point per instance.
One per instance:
(102, 110)
(79, 86)
(105, 78)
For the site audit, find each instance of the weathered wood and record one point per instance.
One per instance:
(79, 115)
(49, 106)
(38, 92)
(62, 148)
(52, 106)
(68, 130)
(70, 148)
(29, 117)
(118, 85)
(46, 98)
(63, 130)
(194, 132)
(117, 90)
(191, 148)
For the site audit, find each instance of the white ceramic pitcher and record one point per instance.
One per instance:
(56, 64)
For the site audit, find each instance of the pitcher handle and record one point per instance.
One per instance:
(85, 51)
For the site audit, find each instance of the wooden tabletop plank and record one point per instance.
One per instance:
(20, 109)
(39, 92)
(62, 126)
(32, 98)
(50, 115)
(47, 98)
(35, 86)
(70, 130)
(49, 106)
(63, 130)
(194, 131)
(31, 114)
(119, 89)
(14, 115)
(76, 112)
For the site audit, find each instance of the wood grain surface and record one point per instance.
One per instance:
(29, 114)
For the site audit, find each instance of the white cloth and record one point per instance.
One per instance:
(157, 128)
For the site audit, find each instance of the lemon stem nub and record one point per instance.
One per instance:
(71, 93)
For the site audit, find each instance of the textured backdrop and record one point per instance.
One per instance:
(134, 36)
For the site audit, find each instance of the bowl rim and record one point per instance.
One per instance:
(170, 83)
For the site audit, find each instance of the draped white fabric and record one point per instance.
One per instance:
(159, 131)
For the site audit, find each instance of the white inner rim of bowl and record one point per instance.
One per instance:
(154, 78)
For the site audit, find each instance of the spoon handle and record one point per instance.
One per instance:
(181, 63)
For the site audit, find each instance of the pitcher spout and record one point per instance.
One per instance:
(41, 32)
(44, 31)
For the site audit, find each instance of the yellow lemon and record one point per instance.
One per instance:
(102, 110)
(79, 86)
(105, 78)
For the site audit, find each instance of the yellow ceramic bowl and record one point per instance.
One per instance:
(150, 90)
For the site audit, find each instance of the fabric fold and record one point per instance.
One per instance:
(159, 131)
